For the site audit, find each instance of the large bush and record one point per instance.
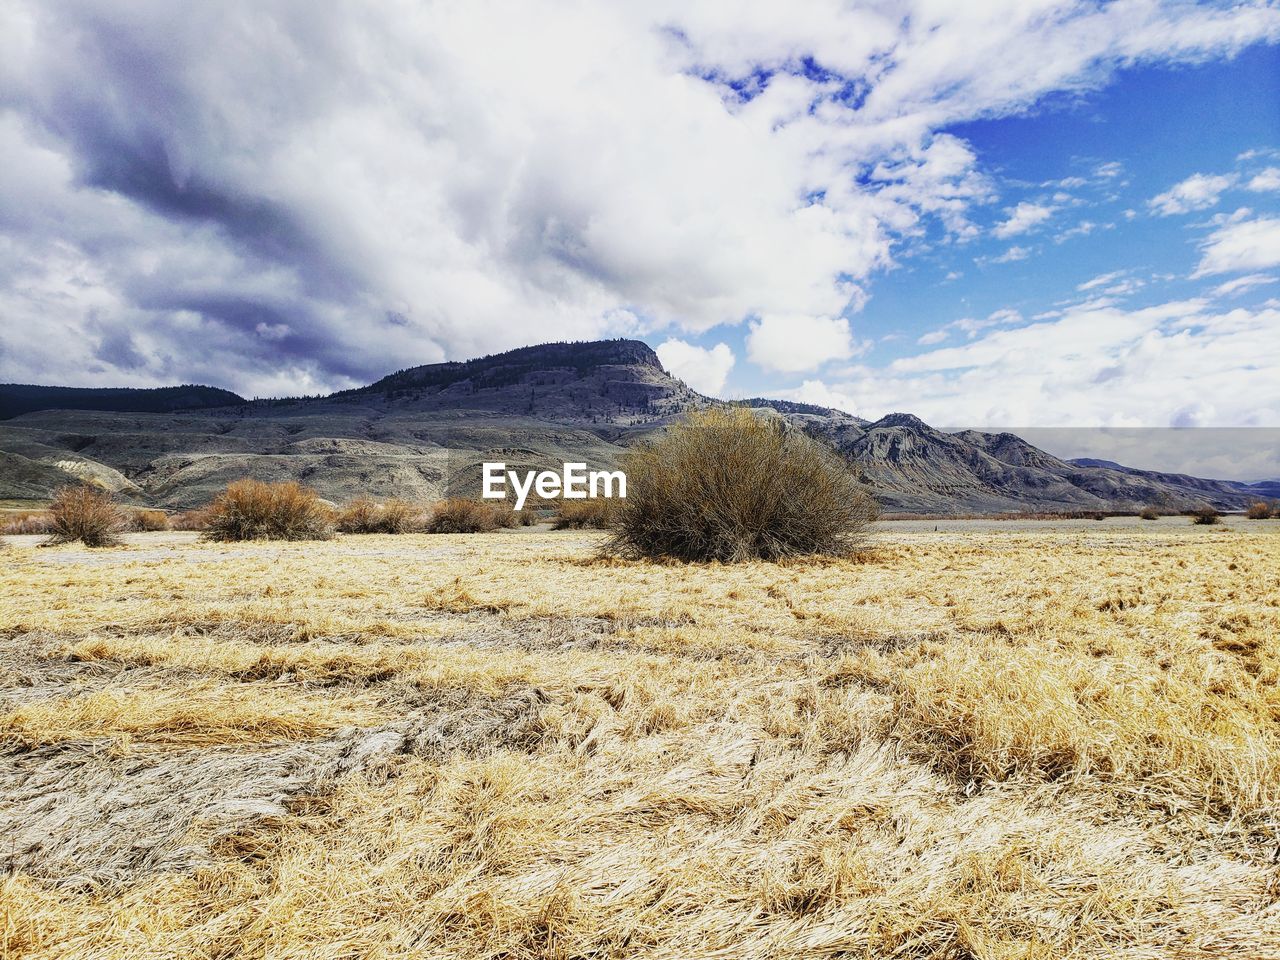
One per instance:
(253, 510)
(1263, 510)
(87, 514)
(728, 485)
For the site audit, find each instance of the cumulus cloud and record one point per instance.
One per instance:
(1025, 216)
(701, 368)
(280, 198)
(1241, 244)
(1198, 192)
(1185, 363)
(796, 342)
(1267, 180)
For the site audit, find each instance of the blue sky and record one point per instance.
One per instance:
(1091, 165)
(1048, 213)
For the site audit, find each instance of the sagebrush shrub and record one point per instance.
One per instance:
(597, 513)
(149, 521)
(1206, 516)
(85, 514)
(727, 485)
(27, 523)
(460, 515)
(253, 510)
(197, 519)
(1263, 511)
(1149, 513)
(365, 515)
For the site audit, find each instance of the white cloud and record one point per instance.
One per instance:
(1241, 244)
(972, 326)
(1011, 255)
(703, 369)
(795, 342)
(1198, 192)
(1185, 362)
(819, 394)
(1025, 216)
(1101, 280)
(1082, 229)
(178, 176)
(1268, 179)
(1241, 284)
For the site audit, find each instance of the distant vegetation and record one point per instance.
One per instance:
(148, 521)
(460, 515)
(1206, 516)
(365, 515)
(598, 514)
(1264, 510)
(19, 398)
(85, 514)
(727, 485)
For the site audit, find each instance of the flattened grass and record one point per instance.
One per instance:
(1046, 743)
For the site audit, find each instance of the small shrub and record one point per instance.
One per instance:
(190, 520)
(359, 516)
(364, 515)
(253, 510)
(505, 516)
(149, 521)
(400, 516)
(27, 523)
(1149, 513)
(460, 515)
(727, 485)
(87, 514)
(1263, 510)
(1206, 516)
(598, 513)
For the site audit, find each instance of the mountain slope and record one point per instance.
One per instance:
(423, 432)
(19, 398)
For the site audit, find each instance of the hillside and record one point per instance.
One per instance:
(19, 398)
(422, 433)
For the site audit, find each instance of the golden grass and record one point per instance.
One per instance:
(990, 743)
(192, 714)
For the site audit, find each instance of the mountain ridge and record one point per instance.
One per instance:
(422, 432)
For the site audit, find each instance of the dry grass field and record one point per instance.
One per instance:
(985, 741)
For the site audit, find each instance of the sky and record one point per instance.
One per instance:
(1031, 213)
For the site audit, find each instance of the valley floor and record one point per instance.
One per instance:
(988, 740)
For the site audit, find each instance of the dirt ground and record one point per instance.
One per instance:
(993, 739)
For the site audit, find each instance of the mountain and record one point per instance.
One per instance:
(19, 398)
(422, 433)
(1259, 490)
